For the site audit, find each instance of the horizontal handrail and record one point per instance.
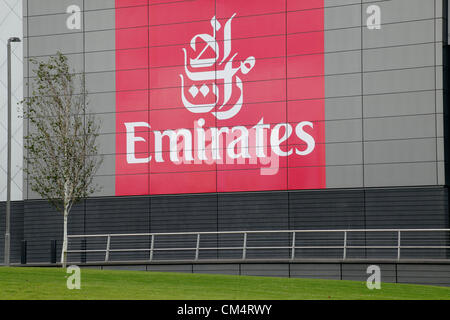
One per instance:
(293, 246)
(252, 232)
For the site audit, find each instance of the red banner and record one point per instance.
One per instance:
(219, 96)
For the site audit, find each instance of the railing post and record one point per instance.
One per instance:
(53, 251)
(197, 248)
(398, 244)
(244, 248)
(108, 244)
(23, 252)
(293, 246)
(152, 247)
(345, 245)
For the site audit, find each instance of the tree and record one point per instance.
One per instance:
(62, 154)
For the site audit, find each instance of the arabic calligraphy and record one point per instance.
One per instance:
(227, 73)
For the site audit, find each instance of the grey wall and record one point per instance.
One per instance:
(327, 209)
(413, 273)
(16, 230)
(90, 50)
(11, 26)
(384, 94)
(383, 88)
(384, 107)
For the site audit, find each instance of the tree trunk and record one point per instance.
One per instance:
(64, 247)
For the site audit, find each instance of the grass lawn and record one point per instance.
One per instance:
(50, 283)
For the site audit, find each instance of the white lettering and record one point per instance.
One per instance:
(275, 139)
(306, 137)
(131, 141)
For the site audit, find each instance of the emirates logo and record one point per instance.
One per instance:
(212, 62)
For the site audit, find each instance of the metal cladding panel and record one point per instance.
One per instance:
(184, 214)
(104, 216)
(373, 96)
(394, 208)
(42, 225)
(16, 230)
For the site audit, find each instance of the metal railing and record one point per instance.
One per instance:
(398, 238)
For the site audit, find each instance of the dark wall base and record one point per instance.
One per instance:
(37, 223)
(412, 272)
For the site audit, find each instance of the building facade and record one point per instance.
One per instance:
(11, 26)
(259, 115)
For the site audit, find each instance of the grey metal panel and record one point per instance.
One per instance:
(47, 7)
(107, 185)
(101, 82)
(441, 172)
(342, 62)
(184, 268)
(424, 274)
(107, 121)
(184, 213)
(397, 104)
(342, 39)
(358, 272)
(420, 126)
(404, 174)
(402, 33)
(350, 176)
(403, 10)
(343, 108)
(106, 143)
(100, 40)
(92, 267)
(337, 17)
(101, 102)
(407, 208)
(344, 153)
(265, 270)
(123, 215)
(230, 269)
(100, 4)
(315, 271)
(75, 62)
(126, 268)
(49, 45)
(320, 210)
(394, 151)
(108, 166)
(413, 56)
(100, 19)
(343, 130)
(342, 85)
(16, 230)
(100, 61)
(2, 230)
(399, 80)
(49, 25)
(254, 211)
(42, 224)
(325, 209)
(331, 3)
